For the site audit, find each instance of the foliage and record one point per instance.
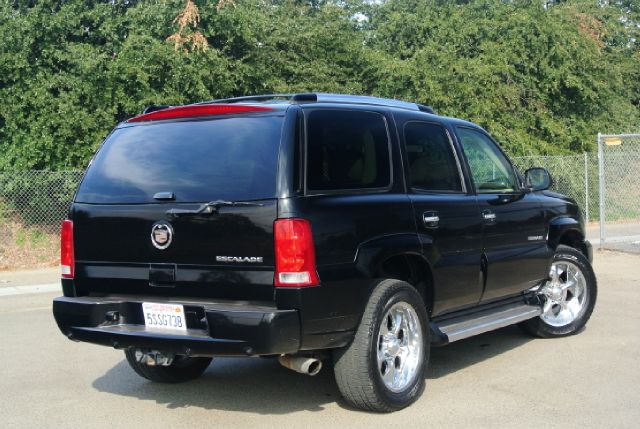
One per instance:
(542, 80)
(530, 75)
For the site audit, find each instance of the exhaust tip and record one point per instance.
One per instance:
(314, 367)
(303, 365)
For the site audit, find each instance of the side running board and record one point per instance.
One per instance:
(468, 325)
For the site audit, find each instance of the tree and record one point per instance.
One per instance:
(541, 80)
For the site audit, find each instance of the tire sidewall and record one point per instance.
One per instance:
(399, 292)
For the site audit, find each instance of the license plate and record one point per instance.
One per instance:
(164, 316)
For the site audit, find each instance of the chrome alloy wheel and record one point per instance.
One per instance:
(565, 294)
(400, 346)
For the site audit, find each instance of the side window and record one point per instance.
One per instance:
(347, 150)
(490, 169)
(432, 164)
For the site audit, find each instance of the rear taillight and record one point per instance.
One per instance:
(295, 254)
(67, 259)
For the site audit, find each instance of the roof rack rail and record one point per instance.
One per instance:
(427, 109)
(327, 98)
(364, 99)
(263, 98)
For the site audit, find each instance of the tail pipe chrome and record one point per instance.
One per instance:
(302, 364)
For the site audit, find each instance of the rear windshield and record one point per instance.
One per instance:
(198, 161)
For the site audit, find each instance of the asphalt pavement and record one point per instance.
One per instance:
(502, 379)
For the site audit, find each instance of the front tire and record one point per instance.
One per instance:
(182, 368)
(384, 366)
(568, 297)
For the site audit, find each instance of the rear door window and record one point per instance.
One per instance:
(198, 161)
(432, 163)
(347, 150)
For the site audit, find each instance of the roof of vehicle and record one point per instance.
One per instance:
(304, 98)
(282, 101)
(329, 98)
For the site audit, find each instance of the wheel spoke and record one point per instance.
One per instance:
(396, 376)
(578, 277)
(548, 305)
(384, 326)
(564, 272)
(568, 285)
(554, 274)
(387, 377)
(574, 307)
(397, 322)
(414, 341)
(567, 309)
(568, 272)
(577, 290)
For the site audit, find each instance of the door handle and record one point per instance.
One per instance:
(430, 219)
(489, 216)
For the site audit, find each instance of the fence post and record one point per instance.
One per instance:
(586, 186)
(601, 186)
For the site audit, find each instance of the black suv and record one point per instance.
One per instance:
(311, 227)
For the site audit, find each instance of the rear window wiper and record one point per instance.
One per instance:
(210, 208)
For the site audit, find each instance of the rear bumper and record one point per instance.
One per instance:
(214, 329)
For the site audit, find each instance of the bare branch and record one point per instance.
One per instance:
(223, 3)
(190, 15)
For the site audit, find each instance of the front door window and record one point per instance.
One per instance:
(491, 171)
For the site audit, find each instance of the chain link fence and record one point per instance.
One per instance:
(573, 175)
(33, 203)
(619, 186)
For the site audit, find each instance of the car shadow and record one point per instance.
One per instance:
(257, 385)
(468, 352)
(262, 386)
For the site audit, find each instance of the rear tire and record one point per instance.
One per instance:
(383, 369)
(568, 297)
(182, 369)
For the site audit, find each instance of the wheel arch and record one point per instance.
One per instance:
(398, 257)
(569, 232)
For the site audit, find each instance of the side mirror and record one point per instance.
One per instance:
(538, 179)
